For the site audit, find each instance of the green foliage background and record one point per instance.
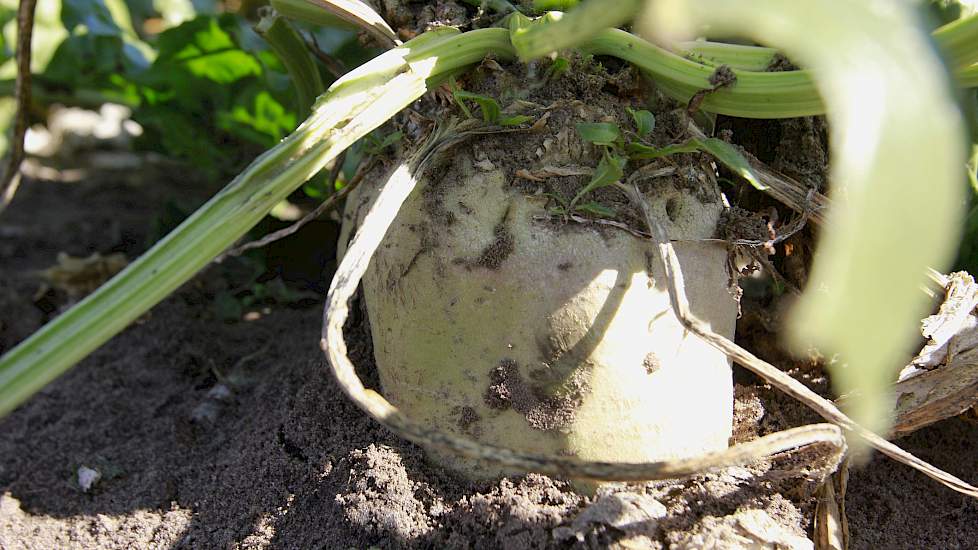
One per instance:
(206, 88)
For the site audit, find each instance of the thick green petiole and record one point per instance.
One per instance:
(355, 105)
(366, 98)
(958, 40)
(737, 56)
(498, 6)
(326, 13)
(757, 94)
(967, 77)
(558, 30)
(541, 6)
(294, 54)
(897, 133)
(754, 95)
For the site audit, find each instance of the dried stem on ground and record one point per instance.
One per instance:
(831, 524)
(942, 381)
(788, 191)
(767, 371)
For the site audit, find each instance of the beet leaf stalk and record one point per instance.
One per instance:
(291, 49)
(898, 148)
(352, 107)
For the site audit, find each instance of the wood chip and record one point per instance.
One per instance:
(942, 380)
(954, 321)
(936, 395)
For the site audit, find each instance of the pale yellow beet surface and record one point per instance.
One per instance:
(572, 306)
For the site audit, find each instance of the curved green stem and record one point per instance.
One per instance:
(557, 31)
(967, 77)
(755, 94)
(498, 6)
(897, 152)
(355, 105)
(959, 41)
(325, 13)
(294, 54)
(736, 56)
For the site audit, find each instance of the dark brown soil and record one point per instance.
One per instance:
(231, 435)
